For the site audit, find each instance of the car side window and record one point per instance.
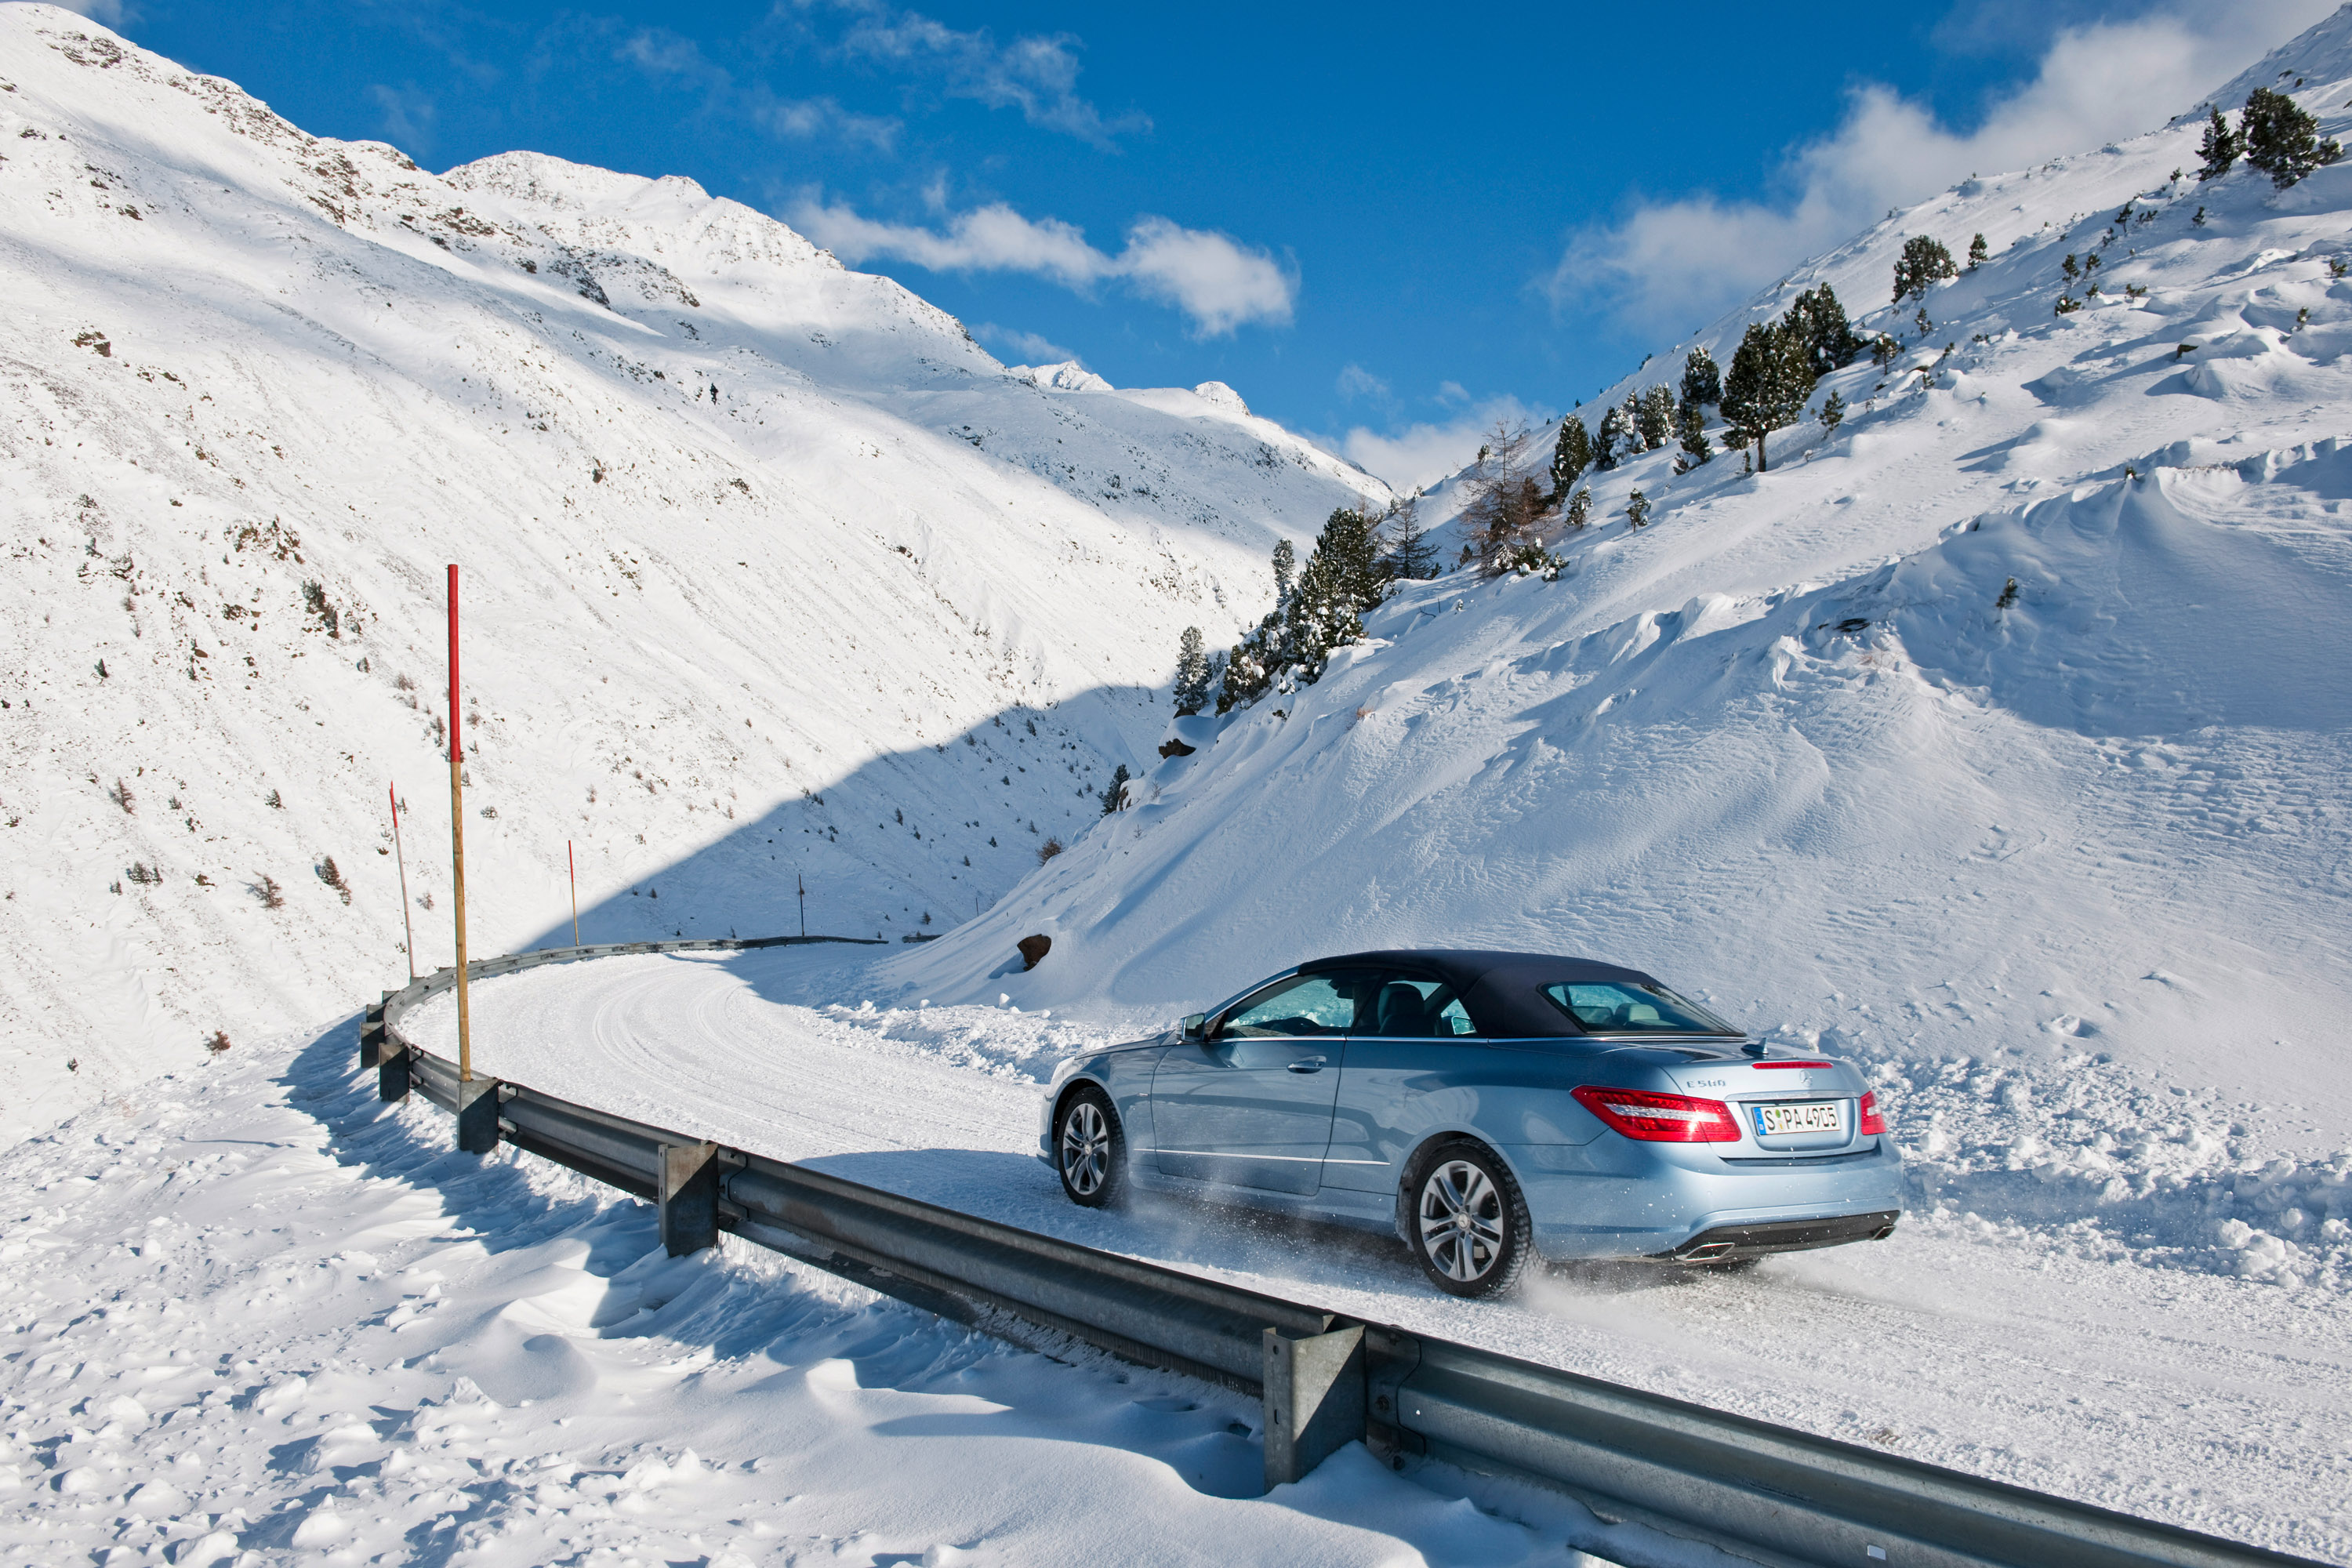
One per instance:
(1410, 1007)
(1309, 1005)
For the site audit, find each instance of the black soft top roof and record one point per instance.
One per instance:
(1501, 991)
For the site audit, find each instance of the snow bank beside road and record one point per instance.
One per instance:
(252, 1316)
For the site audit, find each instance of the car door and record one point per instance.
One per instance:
(1249, 1103)
(1412, 1063)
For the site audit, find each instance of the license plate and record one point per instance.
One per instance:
(1810, 1116)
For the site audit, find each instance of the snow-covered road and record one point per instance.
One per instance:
(2037, 1353)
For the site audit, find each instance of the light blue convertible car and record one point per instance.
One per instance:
(1487, 1107)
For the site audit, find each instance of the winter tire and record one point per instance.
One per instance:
(1090, 1151)
(1468, 1222)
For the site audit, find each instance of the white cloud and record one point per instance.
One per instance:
(405, 116)
(1029, 348)
(1035, 73)
(1671, 263)
(1356, 382)
(1217, 281)
(105, 13)
(663, 54)
(1420, 454)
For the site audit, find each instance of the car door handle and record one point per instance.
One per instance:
(1307, 1064)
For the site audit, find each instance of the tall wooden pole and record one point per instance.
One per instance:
(573, 867)
(458, 838)
(400, 858)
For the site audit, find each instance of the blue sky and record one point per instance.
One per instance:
(1385, 226)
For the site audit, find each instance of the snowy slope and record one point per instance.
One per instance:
(770, 570)
(1788, 746)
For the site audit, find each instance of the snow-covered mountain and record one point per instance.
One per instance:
(1998, 738)
(770, 571)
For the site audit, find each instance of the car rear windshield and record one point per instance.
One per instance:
(1622, 1007)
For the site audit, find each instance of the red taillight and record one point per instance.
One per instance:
(1660, 1118)
(1872, 1124)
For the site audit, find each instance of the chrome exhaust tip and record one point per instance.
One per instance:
(1708, 1253)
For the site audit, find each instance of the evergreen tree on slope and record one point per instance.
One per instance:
(1191, 674)
(1771, 377)
(1702, 380)
(2281, 139)
(1571, 456)
(2219, 150)
(1924, 263)
(1611, 435)
(1656, 417)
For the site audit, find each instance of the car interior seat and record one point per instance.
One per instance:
(1402, 1011)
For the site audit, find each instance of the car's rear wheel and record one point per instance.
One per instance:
(1469, 1222)
(1090, 1151)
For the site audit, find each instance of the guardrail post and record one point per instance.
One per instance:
(372, 1032)
(477, 1115)
(687, 1195)
(392, 1069)
(1314, 1399)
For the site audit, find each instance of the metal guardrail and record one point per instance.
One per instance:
(1767, 1494)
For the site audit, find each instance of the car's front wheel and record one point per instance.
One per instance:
(1469, 1222)
(1090, 1151)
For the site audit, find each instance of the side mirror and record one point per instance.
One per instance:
(1195, 1024)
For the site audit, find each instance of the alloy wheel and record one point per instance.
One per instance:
(1462, 1219)
(1086, 1148)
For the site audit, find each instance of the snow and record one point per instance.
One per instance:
(254, 1317)
(741, 531)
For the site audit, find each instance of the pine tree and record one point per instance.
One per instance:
(1191, 674)
(2071, 268)
(1571, 456)
(1637, 510)
(1829, 337)
(1580, 510)
(1832, 413)
(1114, 796)
(1691, 426)
(1924, 262)
(1702, 381)
(1285, 566)
(2281, 139)
(1978, 253)
(1340, 581)
(1605, 444)
(2219, 150)
(1655, 418)
(1771, 375)
(1408, 554)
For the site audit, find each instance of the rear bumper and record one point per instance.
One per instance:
(1659, 1201)
(1722, 1243)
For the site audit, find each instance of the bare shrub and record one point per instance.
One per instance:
(1047, 851)
(266, 889)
